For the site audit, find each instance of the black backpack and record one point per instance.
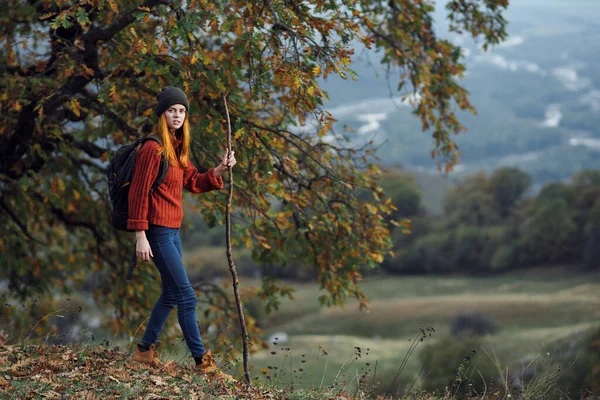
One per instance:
(119, 176)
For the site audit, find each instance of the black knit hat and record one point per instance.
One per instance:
(168, 96)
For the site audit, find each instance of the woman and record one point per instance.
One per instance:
(156, 218)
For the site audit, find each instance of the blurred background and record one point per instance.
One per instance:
(499, 278)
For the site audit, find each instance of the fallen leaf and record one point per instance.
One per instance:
(51, 394)
(158, 380)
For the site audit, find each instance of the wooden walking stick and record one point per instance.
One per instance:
(232, 269)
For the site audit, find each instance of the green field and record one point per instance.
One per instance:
(533, 309)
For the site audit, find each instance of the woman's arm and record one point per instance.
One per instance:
(196, 182)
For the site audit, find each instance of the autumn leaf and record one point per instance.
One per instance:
(316, 70)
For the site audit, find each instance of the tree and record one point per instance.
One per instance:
(548, 234)
(471, 202)
(508, 185)
(79, 78)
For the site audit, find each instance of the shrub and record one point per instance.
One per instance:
(457, 364)
(472, 324)
(508, 184)
(579, 358)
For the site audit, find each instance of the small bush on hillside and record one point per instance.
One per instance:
(472, 324)
(456, 364)
(579, 358)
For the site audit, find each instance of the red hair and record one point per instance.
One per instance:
(182, 157)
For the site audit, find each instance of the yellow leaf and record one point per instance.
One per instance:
(316, 70)
(238, 133)
(113, 94)
(374, 168)
(76, 194)
(375, 257)
(297, 83)
(372, 209)
(75, 107)
(114, 7)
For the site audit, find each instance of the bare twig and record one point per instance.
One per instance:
(232, 269)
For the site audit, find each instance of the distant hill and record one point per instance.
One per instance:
(537, 97)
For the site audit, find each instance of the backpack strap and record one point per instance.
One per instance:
(164, 163)
(132, 265)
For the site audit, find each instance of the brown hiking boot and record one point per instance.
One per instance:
(209, 369)
(150, 358)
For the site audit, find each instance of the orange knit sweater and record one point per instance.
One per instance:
(164, 205)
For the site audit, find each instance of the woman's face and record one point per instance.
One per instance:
(175, 116)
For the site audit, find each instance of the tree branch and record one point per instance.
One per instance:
(94, 35)
(91, 102)
(18, 222)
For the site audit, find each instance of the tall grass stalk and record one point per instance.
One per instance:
(53, 313)
(131, 338)
(343, 368)
(324, 371)
(484, 385)
(418, 339)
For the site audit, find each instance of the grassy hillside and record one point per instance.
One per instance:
(329, 351)
(533, 309)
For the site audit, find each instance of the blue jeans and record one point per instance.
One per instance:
(176, 290)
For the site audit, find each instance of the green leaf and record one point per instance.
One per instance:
(82, 17)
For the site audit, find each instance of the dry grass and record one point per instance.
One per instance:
(533, 309)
